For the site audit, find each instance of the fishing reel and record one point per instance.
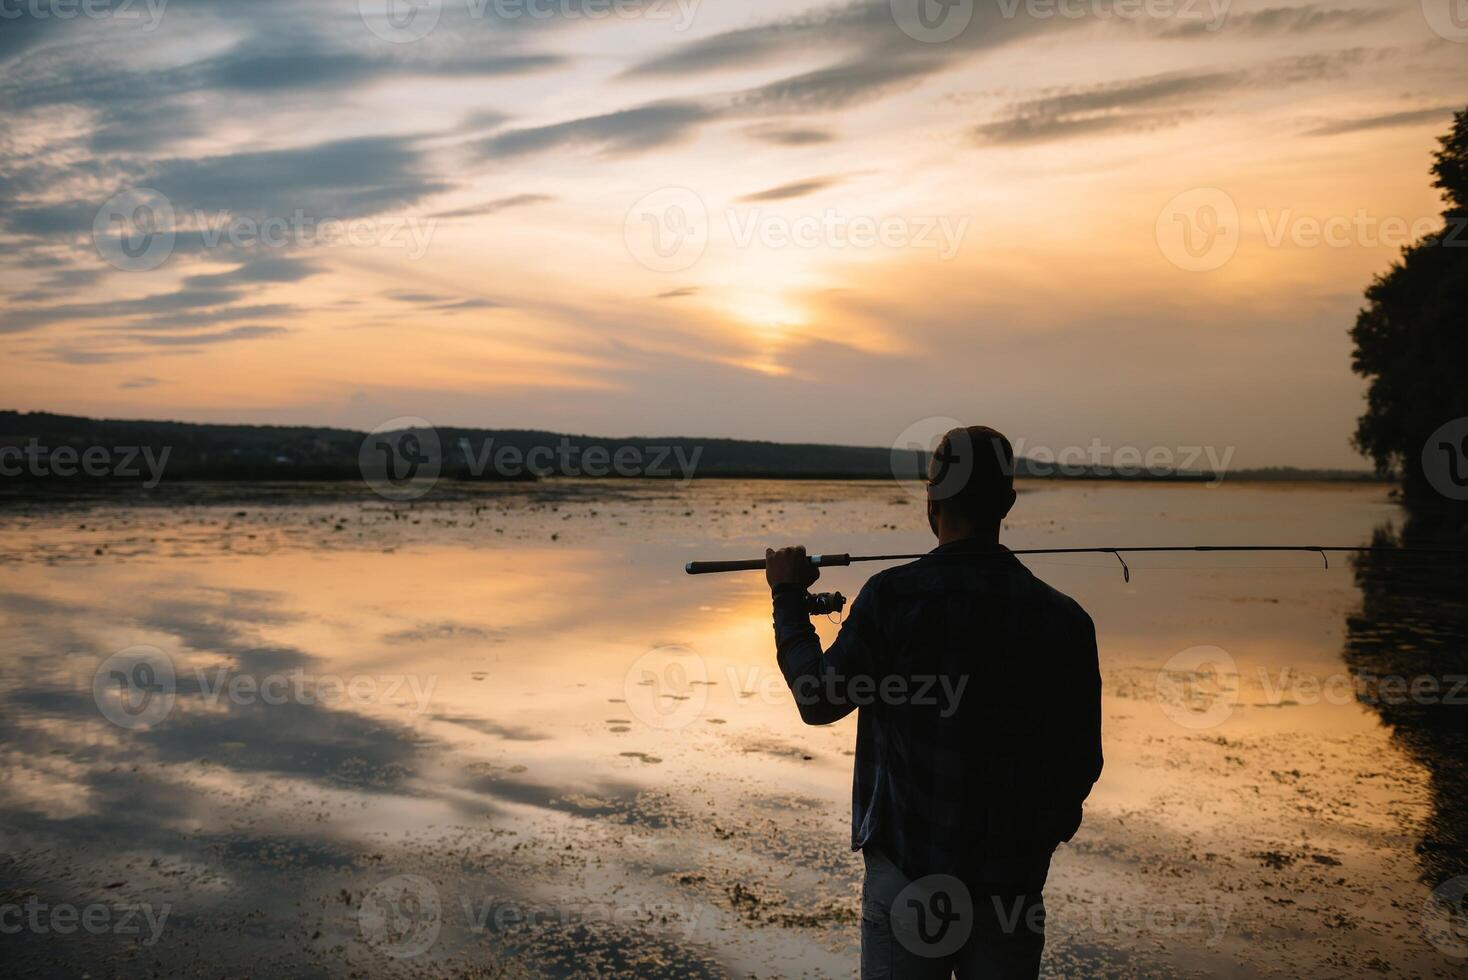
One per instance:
(824, 604)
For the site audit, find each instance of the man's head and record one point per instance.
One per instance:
(970, 483)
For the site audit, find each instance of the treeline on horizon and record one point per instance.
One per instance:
(213, 452)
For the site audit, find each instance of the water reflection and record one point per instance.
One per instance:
(1408, 647)
(499, 753)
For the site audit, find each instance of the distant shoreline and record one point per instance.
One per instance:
(65, 495)
(45, 450)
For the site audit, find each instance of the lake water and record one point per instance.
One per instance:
(295, 733)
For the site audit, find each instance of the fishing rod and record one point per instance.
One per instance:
(828, 561)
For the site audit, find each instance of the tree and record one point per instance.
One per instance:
(1412, 336)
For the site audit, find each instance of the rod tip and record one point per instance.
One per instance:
(688, 568)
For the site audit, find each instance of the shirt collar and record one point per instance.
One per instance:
(969, 544)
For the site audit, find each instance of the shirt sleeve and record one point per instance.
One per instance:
(820, 682)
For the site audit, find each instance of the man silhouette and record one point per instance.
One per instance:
(978, 732)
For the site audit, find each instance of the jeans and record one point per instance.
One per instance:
(933, 928)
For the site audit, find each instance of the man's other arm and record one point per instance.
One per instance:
(1084, 711)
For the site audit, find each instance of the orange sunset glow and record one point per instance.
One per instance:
(592, 216)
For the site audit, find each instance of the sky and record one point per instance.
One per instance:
(1089, 223)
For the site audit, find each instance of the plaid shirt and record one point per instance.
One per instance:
(979, 695)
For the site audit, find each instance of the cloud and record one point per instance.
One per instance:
(198, 339)
(1039, 129)
(138, 105)
(874, 59)
(335, 180)
(659, 124)
(788, 135)
(838, 86)
(799, 188)
(264, 269)
(232, 314)
(257, 67)
(470, 304)
(1101, 108)
(853, 23)
(19, 35)
(403, 296)
(136, 384)
(1307, 19)
(1141, 91)
(15, 321)
(346, 178)
(436, 301)
(1149, 102)
(70, 355)
(60, 283)
(1414, 117)
(272, 58)
(629, 130)
(681, 293)
(47, 220)
(495, 206)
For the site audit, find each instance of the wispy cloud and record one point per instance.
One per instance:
(495, 206)
(794, 189)
(200, 339)
(1150, 102)
(1308, 18)
(641, 128)
(1128, 105)
(1390, 120)
(783, 135)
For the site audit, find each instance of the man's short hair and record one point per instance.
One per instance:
(973, 470)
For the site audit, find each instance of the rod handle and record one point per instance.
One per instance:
(757, 564)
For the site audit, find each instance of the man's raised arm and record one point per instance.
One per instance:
(821, 683)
